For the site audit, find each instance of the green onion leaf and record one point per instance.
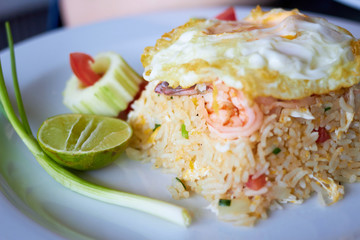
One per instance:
(167, 211)
(224, 202)
(184, 132)
(2, 109)
(181, 182)
(20, 104)
(156, 126)
(327, 109)
(276, 150)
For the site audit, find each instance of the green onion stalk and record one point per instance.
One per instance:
(164, 210)
(2, 111)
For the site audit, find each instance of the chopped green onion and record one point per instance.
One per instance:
(276, 150)
(184, 132)
(327, 109)
(171, 97)
(181, 182)
(156, 126)
(224, 202)
(167, 211)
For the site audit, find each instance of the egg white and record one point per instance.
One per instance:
(279, 53)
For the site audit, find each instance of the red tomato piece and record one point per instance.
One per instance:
(323, 135)
(81, 66)
(257, 183)
(123, 114)
(227, 15)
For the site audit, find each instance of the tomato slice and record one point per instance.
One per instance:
(81, 66)
(257, 183)
(227, 15)
(324, 135)
(124, 114)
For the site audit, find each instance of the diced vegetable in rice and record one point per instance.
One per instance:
(252, 114)
(219, 169)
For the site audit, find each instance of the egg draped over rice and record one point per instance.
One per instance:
(254, 156)
(282, 54)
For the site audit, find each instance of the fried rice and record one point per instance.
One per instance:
(300, 147)
(219, 169)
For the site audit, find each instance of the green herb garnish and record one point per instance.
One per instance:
(224, 202)
(2, 109)
(181, 182)
(155, 207)
(15, 80)
(184, 132)
(327, 109)
(276, 150)
(156, 126)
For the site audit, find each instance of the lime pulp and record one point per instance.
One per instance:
(83, 142)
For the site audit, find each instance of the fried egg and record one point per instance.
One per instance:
(277, 53)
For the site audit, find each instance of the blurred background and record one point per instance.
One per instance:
(31, 17)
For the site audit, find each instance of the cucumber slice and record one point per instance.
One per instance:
(108, 96)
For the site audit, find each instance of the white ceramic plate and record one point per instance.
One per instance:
(34, 206)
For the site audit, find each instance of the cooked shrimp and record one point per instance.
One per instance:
(228, 114)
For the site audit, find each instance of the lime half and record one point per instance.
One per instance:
(83, 142)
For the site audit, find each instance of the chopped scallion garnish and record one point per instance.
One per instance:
(224, 202)
(156, 126)
(327, 109)
(276, 150)
(184, 132)
(181, 182)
